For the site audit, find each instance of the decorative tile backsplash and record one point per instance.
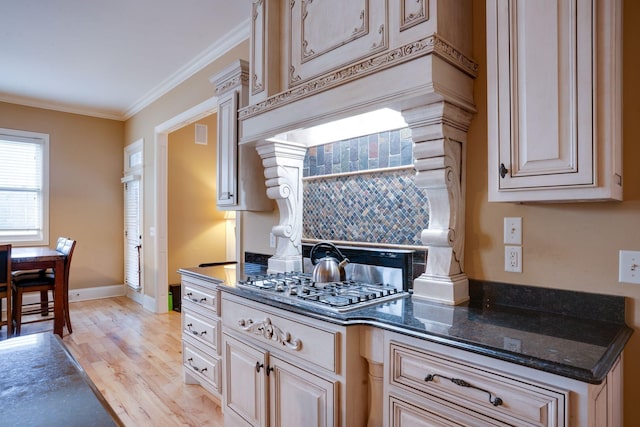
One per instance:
(381, 150)
(379, 206)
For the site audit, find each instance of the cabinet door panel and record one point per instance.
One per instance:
(329, 34)
(244, 383)
(300, 398)
(227, 185)
(545, 85)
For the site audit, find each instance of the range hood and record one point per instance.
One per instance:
(408, 58)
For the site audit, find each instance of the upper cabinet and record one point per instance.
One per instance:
(554, 80)
(241, 182)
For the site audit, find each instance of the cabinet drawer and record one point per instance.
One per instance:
(495, 395)
(201, 328)
(281, 332)
(203, 366)
(201, 297)
(428, 413)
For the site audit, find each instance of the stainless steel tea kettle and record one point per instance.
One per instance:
(327, 269)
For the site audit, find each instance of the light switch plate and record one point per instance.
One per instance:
(629, 268)
(513, 231)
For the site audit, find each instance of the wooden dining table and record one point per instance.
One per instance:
(40, 257)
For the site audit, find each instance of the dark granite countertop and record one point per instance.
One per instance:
(42, 384)
(573, 334)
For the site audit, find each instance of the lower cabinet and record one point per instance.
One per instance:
(264, 390)
(427, 384)
(285, 370)
(201, 333)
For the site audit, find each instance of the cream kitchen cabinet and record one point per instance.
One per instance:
(282, 369)
(432, 385)
(240, 182)
(554, 100)
(296, 397)
(201, 333)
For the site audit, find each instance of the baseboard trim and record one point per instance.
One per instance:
(83, 294)
(98, 292)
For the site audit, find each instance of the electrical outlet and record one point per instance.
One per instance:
(513, 259)
(272, 240)
(629, 268)
(513, 231)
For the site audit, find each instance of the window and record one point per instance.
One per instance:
(24, 195)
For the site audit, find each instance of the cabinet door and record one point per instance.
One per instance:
(542, 75)
(227, 185)
(545, 54)
(300, 398)
(245, 384)
(543, 100)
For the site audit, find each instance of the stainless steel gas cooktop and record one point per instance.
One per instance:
(298, 289)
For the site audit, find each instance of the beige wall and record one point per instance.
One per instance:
(196, 229)
(85, 194)
(192, 92)
(568, 246)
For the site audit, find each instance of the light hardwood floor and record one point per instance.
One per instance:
(135, 359)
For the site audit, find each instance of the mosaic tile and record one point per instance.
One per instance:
(380, 207)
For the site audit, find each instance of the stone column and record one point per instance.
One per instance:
(439, 133)
(283, 161)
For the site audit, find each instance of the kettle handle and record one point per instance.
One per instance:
(326, 245)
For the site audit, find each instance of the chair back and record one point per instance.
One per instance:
(66, 246)
(5, 267)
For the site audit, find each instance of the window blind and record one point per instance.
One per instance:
(22, 187)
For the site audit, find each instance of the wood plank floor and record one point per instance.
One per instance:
(135, 359)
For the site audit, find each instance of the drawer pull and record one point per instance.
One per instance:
(494, 400)
(196, 333)
(189, 295)
(258, 366)
(270, 332)
(195, 368)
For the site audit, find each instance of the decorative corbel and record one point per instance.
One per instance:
(439, 134)
(283, 162)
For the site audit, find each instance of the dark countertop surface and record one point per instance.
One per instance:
(42, 385)
(573, 334)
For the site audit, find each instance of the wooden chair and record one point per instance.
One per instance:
(41, 281)
(5, 285)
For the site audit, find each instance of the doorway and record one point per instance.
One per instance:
(132, 189)
(158, 302)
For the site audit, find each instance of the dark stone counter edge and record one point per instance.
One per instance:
(594, 376)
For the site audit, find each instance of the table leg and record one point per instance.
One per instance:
(58, 299)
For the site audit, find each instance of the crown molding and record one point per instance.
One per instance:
(63, 108)
(239, 34)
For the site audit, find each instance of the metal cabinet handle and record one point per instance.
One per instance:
(494, 400)
(269, 369)
(196, 333)
(195, 368)
(503, 170)
(258, 366)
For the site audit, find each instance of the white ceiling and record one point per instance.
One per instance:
(110, 58)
